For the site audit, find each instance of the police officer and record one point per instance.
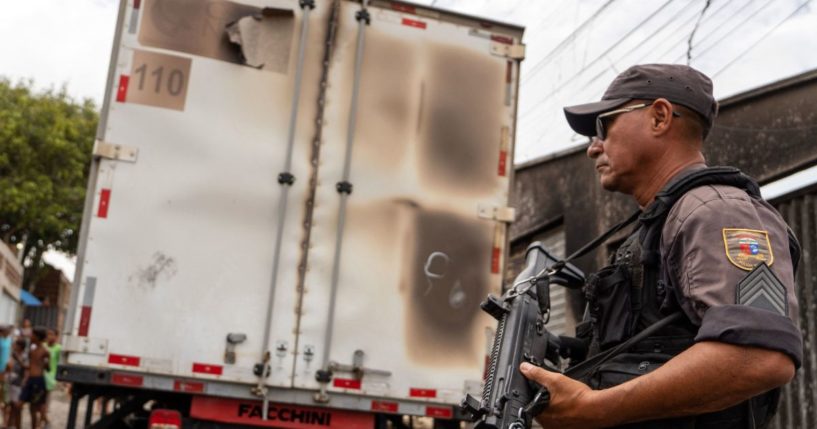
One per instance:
(706, 247)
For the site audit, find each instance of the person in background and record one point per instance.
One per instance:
(15, 376)
(34, 392)
(5, 355)
(54, 348)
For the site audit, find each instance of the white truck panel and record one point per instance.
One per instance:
(181, 242)
(425, 157)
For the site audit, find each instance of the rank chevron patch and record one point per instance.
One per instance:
(762, 289)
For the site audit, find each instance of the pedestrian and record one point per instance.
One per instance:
(710, 266)
(34, 392)
(5, 355)
(16, 374)
(54, 348)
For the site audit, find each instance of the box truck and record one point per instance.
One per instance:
(294, 210)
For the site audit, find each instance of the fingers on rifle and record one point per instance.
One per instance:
(536, 373)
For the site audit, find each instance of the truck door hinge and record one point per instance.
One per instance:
(516, 52)
(501, 214)
(116, 152)
(356, 368)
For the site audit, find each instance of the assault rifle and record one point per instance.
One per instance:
(509, 400)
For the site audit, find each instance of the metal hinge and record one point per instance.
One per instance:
(516, 52)
(91, 346)
(356, 368)
(501, 214)
(116, 152)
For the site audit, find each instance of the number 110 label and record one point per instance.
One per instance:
(158, 80)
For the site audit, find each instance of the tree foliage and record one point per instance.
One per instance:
(46, 139)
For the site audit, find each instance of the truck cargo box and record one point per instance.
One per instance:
(297, 202)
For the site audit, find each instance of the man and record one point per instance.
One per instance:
(34, 390)
(718, 256)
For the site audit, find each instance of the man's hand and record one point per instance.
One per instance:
(571, 402)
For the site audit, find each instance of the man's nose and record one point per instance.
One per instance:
(595, 148)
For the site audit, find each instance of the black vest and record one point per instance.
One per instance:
(631, 294)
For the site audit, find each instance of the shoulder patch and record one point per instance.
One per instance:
(762, 289)
(745, 248)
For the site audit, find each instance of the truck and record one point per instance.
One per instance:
(294, 208)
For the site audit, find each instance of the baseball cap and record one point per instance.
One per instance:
(677, 83)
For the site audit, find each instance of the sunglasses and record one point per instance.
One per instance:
(601, 128)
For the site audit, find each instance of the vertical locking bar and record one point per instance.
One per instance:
(285, 179)
(344, 188)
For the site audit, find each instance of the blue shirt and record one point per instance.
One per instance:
(5, 352)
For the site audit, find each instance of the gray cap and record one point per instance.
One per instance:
(677, 83)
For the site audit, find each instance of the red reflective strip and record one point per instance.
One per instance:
(502, 39)
(509, 72)
(503, 162)
(188, 386)
(383, 406)
(347, 383)
(123, 360)
(496, 256)
(136, 4)
(207, 369)
(122, 89)
(439, 412)
(404, 8)
(423, 393)
(413, 23)
(104, 201)
(486, 24)
(84, 321)
(127, 379)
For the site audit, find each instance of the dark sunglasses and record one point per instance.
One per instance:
(601, 129)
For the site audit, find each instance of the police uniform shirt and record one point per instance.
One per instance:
(727, 259)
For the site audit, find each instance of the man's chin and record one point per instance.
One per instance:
(608, 183)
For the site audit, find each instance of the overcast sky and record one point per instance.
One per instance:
(58, 42)
(742, 44)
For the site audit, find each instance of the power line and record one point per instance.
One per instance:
(731, 31)
(752, 46)
(708, 35)
(569, 39)
(589, 84)
(629, 33)
(692, 34)
(664, 26)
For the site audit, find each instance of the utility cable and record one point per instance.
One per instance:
(765, 35)
(695, 29)
(610, 48)
(731, 31)
(569, 39)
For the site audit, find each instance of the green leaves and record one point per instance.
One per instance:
(46, 140)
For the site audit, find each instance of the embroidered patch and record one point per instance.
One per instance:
(746, 248)
(762, 289)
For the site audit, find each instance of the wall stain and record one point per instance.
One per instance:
(161, 267)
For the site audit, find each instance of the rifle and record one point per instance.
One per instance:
(509, 400)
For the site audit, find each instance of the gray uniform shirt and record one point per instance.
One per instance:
(713, 238)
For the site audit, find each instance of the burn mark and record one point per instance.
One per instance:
(264, 38)
(183, 25)
(462, 118)
(446, 275)
(389, 100)
(161, 267)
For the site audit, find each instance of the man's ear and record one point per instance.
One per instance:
(661, 118)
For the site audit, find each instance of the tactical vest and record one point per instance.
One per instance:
(631, 294)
